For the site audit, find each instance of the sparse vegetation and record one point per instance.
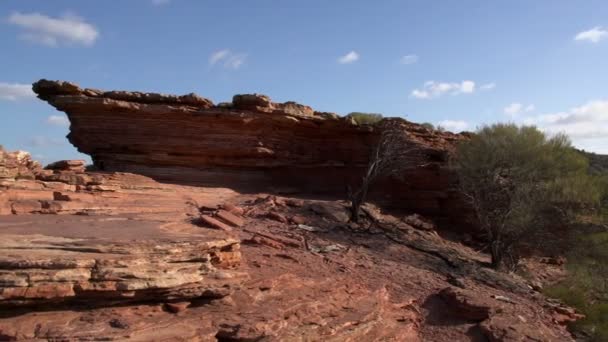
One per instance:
(432, 127)
(365, 118)
(521, 185)
(389, 155)
(586, 287)
(598, 162)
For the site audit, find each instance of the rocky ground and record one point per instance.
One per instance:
(115, 256)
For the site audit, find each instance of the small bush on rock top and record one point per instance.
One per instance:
(428, 126)
(365, 118)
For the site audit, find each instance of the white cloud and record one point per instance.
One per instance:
(42, 29)
(160, 2)
(467, 87)
(587, 121)
(432, 89)
(488, 86)
(15, 91)
(228, 59)
(593, 35)
(515, 109)
(218, 56)
(350, 57)
(587, 124)
(409, 59)
(58, 120)
(421, 94)
(454, 125)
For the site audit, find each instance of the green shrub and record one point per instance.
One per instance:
(520, 184)
(365, 118)
(428, 126)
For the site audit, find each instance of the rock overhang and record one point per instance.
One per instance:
(249, 142)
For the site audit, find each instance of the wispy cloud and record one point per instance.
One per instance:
(58, 120)
(488, 86)
(409, 59)
(593, 35)
(432, 89)
(160, 2)
(218, 56)
(350, 57)
(454, 125)
(68, 29)
(42, 141)
(15, 91)
(227, 59)
(515, 109)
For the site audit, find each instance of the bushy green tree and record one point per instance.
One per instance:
(520, 184)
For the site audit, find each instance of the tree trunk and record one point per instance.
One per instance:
(357, 200)
(496, 252)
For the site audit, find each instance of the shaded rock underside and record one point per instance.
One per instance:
(252, 144)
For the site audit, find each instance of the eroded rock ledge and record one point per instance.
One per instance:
(43, 269)
(250, 143)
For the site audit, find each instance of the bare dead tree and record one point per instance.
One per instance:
(392, 153)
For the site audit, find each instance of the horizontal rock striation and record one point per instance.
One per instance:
(38, 269)
(251, 143)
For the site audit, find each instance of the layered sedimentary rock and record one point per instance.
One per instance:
(288, 269)
(250, 144)
(17, 165)
(52, 267)
(68, 165)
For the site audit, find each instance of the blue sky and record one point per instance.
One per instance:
(456, 63)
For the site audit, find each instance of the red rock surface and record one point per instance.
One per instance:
(136, 262)
(17, 165)
(251, 144)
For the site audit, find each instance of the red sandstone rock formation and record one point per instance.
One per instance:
(17, 165)
(125, 257)
(251, 143)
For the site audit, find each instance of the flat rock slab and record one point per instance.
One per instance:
(214, 223)
(230, 218)
(109, 260)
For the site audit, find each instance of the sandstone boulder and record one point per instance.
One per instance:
(68, 165)
(294, 108)
(17, 165)
(63, 267)
(251, 101)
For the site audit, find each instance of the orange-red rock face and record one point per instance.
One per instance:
(251, 143)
